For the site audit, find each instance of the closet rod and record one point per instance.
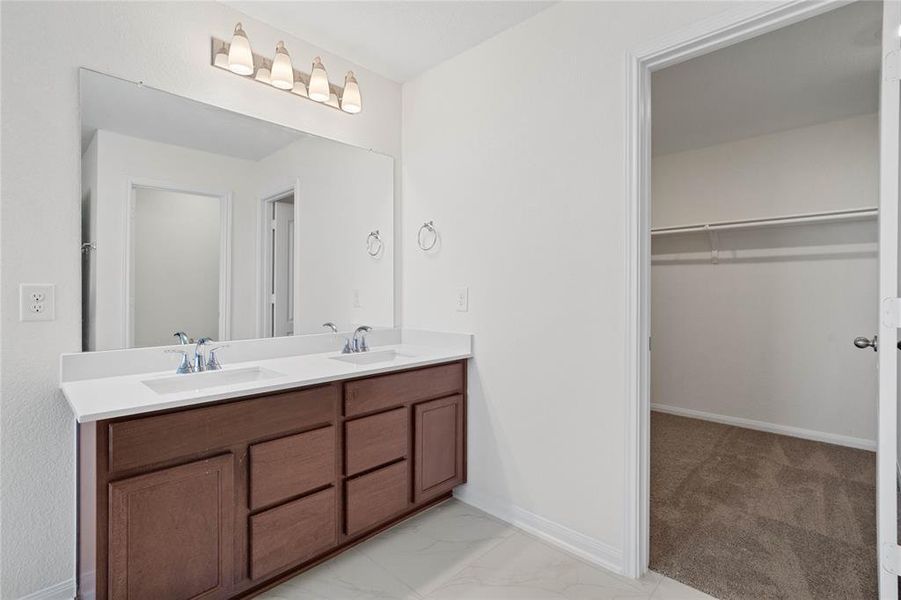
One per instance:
(836, 216)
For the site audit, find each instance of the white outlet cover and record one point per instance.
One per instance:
(37, 302)
(462, 299)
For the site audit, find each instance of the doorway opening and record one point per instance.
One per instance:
(755, 210)
(278, 273)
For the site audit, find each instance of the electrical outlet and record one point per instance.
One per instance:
(463, 299)
(37, 302)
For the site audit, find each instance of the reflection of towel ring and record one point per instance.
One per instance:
(374, 243)
(430, 227)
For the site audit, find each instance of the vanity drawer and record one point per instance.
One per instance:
(292, 533)
(376, 440)
(377, 496)
(386, 391)
(150, 440)
(291, 466)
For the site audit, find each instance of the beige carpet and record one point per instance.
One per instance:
(747, 515)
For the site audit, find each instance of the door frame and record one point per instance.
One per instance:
(225, 251)
(264, 250)
(720, 31)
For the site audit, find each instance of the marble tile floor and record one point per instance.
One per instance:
(456, 552)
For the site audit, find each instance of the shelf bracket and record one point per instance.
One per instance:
(714, 244)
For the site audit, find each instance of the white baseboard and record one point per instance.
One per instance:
(807, 434)
(583, 546)
(64, 590)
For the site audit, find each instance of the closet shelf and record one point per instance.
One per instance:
(836, 216)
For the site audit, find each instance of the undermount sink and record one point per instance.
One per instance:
(200, 381)
(367, 358)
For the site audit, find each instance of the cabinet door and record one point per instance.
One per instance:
(438, 458)
(170, 532)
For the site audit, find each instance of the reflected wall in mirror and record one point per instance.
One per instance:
(209, 222)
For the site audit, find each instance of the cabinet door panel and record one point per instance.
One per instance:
(387, 391)
(438, 439)
(292, 533)
(291, 466)
(377, 496)
(376, 440)
(147, 440)
(170, 532)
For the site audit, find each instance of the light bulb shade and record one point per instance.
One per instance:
(351, 102)
(300, 89)
(240, 57)
(221, 60)
(282, 75)
(333, 100)
(263, 75)
(319, 88)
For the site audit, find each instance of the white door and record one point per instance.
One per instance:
(282, 269)
(887, 443)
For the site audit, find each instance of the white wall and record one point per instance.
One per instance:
(166, 45)
(344, 194)
(525, 181)
(122, 159)
(177, 255)
(766, 334)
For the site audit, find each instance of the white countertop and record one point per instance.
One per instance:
(126, 394)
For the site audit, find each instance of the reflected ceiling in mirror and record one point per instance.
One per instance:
(200, 220)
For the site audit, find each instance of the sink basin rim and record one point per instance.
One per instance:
(196, 382)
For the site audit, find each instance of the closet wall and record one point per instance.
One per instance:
(763, 338)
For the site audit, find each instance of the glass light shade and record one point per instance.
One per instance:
(240, 57)
(263, 75)
(351, 102)
(333, 100)
(282, 75)
(319, 89)
(221, 60)
(300, 89)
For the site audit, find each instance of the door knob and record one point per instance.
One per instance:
(862, 342)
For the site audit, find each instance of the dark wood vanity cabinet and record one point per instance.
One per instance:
(225, 500)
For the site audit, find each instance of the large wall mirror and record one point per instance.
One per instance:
(200, 220)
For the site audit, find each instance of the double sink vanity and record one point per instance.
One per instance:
(217, 470)
(220, 484)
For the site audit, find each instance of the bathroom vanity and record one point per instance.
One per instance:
(201, 225)
(223, 498)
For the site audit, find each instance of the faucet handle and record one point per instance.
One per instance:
(212, 363)
(185, 365)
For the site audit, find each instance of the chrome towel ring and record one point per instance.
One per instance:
(430, 227)
(374, 243)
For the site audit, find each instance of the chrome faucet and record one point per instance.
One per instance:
(182, 338)
(212, 363)
(359, 344)
(184, 366)
(199, 361)
(331, 326)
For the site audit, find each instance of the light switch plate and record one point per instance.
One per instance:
(37, 301)
(463, 299)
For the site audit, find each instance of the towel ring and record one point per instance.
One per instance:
(374, 243)
(430, 227)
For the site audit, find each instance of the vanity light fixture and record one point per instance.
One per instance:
(351, 102)
(319, 88)
(240, 57)
(263, 75)
(282, 75)
(237, 57)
